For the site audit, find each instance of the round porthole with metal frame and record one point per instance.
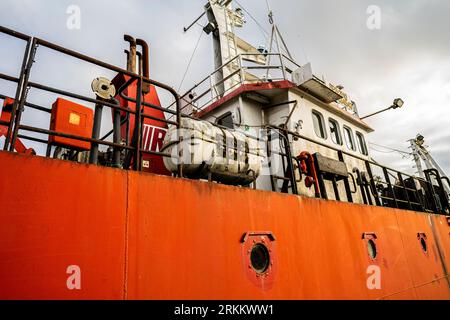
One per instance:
(259, 258)
(371, 243)
(422, 237)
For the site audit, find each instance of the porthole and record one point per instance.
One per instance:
(372, 249)
(423, 243)
(260, 258)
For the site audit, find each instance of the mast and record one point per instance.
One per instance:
(420, 154)
(222, 20)
(416, 156)
(229, 50)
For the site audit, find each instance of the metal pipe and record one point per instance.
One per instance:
(127, 53)
(139, 57)
(195, 21)
(77, 96)
(375, 113)
(373, 187)
(402, 182)
(18, 107)
(145, 57)
(435, 202)
(360, 182)
(14, 33)
(18, 94)
(146, 104)
(93, 154)
(8, 78)
(71, 136)
(37, 107)
(131, 63)
(346, 183)
(83, 57)
(21, 136)
(117, 139)
(137, 127)
(390, 186)
(112, 131)
(132, 74)
(145, 63)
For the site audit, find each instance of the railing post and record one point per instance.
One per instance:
(290, 166)
(391, 188)
(372, 185)
(400, 178)
(282, 66)
(93, 154)
(419, 195)
(241, 70)
(23, 96)
(18, 94)
(137, 126)
(117, 137)
(212, 88)
(346, 183)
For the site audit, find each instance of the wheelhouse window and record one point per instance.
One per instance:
(361, 143)
(349, 139)
(226, 120)
(335, 131)
(319, 125)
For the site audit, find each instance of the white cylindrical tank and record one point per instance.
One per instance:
(204, 150)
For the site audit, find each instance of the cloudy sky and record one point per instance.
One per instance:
(408, 57)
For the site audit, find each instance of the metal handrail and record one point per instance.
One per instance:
(241, 68)
(23, 85)
(421, 205)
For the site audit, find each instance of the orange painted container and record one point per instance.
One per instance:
(71, 118)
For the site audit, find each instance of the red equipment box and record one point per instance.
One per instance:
(6, 109)
(71, 118)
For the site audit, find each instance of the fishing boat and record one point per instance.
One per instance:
(257, 183)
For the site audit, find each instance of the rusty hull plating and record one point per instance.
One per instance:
(143, 236)
(136, 235)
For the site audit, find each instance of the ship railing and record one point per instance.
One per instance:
(383, 186)
(240, 70)
(134, 149)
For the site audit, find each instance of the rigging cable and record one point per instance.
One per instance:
(391, 150)
(266, 34)
(190, 60)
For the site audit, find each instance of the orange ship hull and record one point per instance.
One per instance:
(143, 236)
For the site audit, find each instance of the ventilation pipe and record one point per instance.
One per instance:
(145, 63)
(131, 57)
(145, 58)
(139, 55)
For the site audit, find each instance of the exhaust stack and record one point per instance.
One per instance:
(145, 57)
(131, 57)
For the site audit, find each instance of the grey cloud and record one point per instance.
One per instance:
(408, 57)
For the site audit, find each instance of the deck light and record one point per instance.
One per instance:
(398, 103)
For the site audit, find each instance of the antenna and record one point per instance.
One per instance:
(185, 29)
(275, 37)
(276, 34)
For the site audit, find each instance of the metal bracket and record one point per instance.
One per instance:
(268, 234)
(369, 235)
